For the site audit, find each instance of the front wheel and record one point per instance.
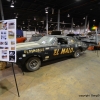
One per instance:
(76, 53)
(33, 64)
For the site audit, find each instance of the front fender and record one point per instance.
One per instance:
(22, 60)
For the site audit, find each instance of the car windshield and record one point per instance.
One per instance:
(35, 38)
(46, 40)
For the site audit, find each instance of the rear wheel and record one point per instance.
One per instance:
(33, 64)
(77, 53)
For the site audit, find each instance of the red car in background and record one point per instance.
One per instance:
(20, 39)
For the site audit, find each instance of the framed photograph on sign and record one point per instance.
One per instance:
(11, 56)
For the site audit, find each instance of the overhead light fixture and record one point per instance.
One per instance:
(42, 21)
(12, 4)
(84, 18)
(46, 9)
(34, 18)
(94, 20)
(16, 17)
(68, 15)
(23, 22)
(51, 20)
(52, 11)
(73, 23)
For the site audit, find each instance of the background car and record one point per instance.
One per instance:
(20, 39)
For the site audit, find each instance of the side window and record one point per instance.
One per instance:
(70, 40)
(54, 41)
(62, 41)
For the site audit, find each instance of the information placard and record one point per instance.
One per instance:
(8, 40)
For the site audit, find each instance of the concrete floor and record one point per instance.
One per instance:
(62, 79)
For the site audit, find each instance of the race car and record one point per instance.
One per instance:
(32, 54)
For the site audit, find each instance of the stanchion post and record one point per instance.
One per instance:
(15, 80)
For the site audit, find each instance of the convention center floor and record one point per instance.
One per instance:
(61, 79)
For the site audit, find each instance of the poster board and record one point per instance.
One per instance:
(8, 40)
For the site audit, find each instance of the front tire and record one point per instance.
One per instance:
(77, 53)
(33, 64)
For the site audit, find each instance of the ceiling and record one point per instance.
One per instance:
(32, 12)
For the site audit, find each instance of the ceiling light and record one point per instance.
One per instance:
(84, 18)
(12, 4)
(73, 23)
(42, 21)
(34, 18)
(94, 20)
(16, 17)
(46, 9)
(68, 15)
(51, 19)
(52, 11)
(23, 22)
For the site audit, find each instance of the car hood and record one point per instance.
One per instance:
(28, 45)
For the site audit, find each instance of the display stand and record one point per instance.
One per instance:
(15, 79)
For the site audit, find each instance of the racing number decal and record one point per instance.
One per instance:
(63, 51)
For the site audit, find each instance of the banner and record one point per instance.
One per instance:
(8, 40)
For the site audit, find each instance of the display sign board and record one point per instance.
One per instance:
(8, 40)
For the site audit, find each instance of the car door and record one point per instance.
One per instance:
(65, 49)
(72, 44)
(62, 49)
